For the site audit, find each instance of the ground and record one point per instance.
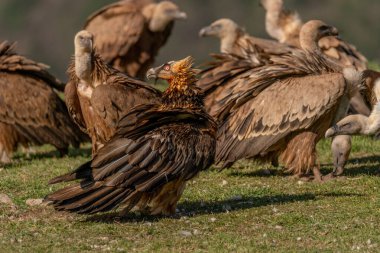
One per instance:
(241, 209)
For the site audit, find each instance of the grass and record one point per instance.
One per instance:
(236, 210)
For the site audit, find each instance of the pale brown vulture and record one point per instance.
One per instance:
(234, 40)
(31, 112)
(289, 105)
(98, 95)
(157, 147)
(129, 33)
(285, 26)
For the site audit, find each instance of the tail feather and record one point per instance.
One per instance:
(83, 172)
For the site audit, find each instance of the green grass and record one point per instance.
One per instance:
(236, 210)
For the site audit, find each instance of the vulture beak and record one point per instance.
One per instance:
(350, 125)
(331, 131)
(151, 74)
(206, 31)
(180, 15)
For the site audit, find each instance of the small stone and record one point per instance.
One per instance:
(213, 219)
(299, 238)
(369, 242)
(275, 210)
(196, 232)
(299, 182)
(5, 199)
(278, 227)
(34, 202)
(224, 182)
(185, 233)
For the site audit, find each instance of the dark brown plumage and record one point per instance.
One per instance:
(129, 33)
(156, 149)
(30, 110)
(98, 96)
(284, 107)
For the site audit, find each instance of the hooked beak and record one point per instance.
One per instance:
(205, 31)
(331, 131)
(151, 74)
(180, 15)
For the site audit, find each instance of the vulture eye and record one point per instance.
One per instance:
(167, 67)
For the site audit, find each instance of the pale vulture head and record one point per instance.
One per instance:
(359, 124)
(312, 31)
(163, 13)
(83, 42)
(221, 29)
(83, 55)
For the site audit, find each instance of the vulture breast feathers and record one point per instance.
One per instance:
(129, 33)
(98, 96)
(156, 149)
(29, 104)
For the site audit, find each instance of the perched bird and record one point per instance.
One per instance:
(293, 101)
(285, 26)
(129, 33)
(97, 95)
(31, 112)
(158, 146)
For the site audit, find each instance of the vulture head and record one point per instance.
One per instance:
(179, 73)
(224, 29)
(83, 43)
(272, 5)
(359, 124)
(164, 13)
(312, 31)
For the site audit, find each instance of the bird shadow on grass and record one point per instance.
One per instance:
(369, 165)
(73, 152)
(197, 208)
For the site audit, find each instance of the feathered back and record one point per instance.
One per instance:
(12, 62)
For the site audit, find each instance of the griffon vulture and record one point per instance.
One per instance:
(285, 26)
(293, 101)
(157, 147)
(129, 33)
(234, 40)
(98, 95)
(31, 112)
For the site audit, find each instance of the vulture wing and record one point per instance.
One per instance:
(36, 110)
(73, 105)
(344, 52)
(14, 63)
(116, 28)
(286, 106)
(119, 95)
(152, 149)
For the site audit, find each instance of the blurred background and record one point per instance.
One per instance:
(44, 29)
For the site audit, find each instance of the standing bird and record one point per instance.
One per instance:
(31, 112)
(129, 33)
(98, 96)
(295, 99)
(156, 149)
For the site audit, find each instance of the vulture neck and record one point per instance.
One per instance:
(182, 92)
(309, 42)
(84, 65)
(228, 41)
(272, 20)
